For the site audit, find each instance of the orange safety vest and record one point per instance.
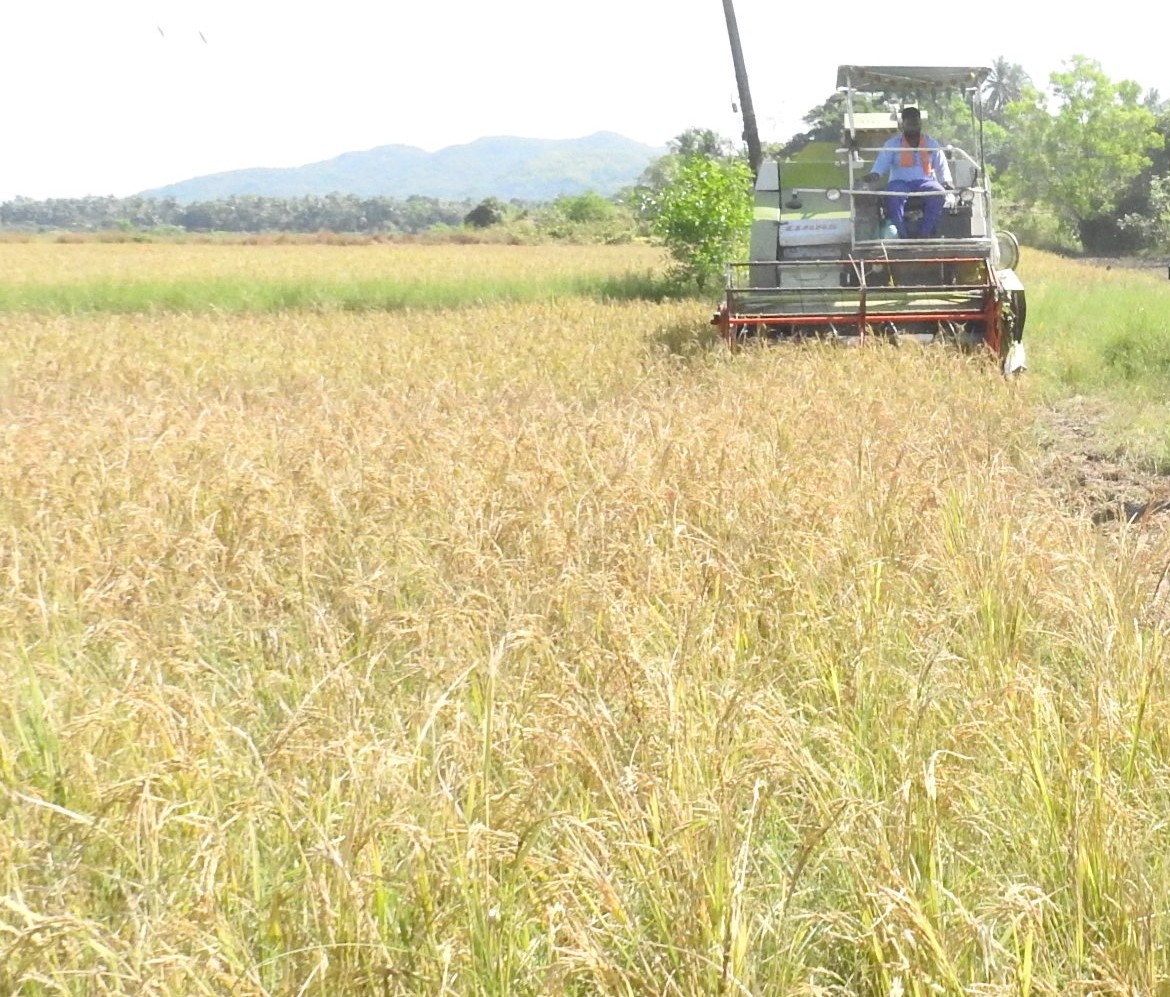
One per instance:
(923, 155)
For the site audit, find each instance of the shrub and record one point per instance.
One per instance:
(702, 214)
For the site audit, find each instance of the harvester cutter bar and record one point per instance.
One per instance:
(902, 293)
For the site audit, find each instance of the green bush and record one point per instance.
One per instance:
(702, 214)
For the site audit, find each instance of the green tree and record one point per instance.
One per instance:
(1145, 210)
(584, 208)
(1079, 160)
(1150, 226)
(1006, 84)
(490, 211)
(702, 214)
(692, 142)
(701, 142)
(826, 122)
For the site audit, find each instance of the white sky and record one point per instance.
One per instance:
(119, 96)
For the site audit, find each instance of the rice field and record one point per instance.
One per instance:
(130, 278)
(535, 645)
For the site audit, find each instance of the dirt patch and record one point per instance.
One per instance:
(1098, 478)
(1092, 476)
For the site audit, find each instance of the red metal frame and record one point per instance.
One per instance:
(989, 310)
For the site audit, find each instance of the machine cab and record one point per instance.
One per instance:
(815, 198)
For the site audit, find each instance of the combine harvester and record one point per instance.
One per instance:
(825, 261)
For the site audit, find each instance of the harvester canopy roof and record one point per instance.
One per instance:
(881, 79)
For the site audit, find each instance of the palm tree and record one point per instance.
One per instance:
(1005, 84)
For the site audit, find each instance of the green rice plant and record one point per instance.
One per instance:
(74, 279)
(1094, 328)
(242, 295)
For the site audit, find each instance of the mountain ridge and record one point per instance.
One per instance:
(507, 167)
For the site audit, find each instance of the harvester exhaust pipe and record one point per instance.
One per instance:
(751, 134)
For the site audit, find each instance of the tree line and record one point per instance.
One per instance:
(585, 217)
(244, 213)
(1081, 163)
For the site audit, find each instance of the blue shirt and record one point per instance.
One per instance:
(889, 160)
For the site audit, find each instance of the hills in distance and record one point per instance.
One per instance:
(528, 169)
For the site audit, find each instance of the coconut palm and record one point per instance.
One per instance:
(1005, 83)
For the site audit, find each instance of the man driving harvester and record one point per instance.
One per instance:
(916, 165)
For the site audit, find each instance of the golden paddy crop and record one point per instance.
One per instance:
(550, 649)
(46, 262)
